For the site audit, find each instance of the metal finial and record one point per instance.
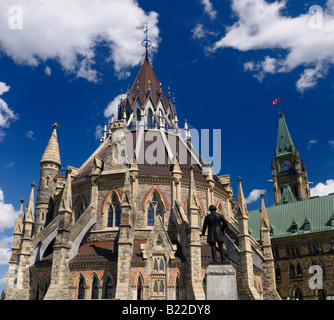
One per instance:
(146, 43)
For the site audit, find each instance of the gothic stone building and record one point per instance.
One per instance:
(126, 225)
(302, 227)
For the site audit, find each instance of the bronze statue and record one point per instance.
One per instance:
(216, 224)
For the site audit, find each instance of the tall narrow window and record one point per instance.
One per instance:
(114, 213)
(278, 273)
(139, 289)
(108, 289)
(161, 287)
(155, 264)
(150, 215)
(177, 289)
(118, 215)
(111, 216)
(150, 120)
(81, 289)
(161, 267)
(154, 209)
(155, 287)
(138, 115)
(95, 289)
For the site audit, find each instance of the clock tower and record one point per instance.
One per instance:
(288, 169)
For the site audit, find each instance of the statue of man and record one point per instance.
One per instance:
(216, 224)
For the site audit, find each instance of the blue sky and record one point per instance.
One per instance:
(225, 61)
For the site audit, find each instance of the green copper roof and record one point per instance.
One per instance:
(284, 141)
(287, 195)
(317, 211)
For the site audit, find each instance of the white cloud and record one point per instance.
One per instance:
(9, 165)
(70, 31)
(331, 143)
(47, 71)
(254, 195)
(98, 132)
(322, 189)
(112, 107)
(199, 32)
(264, 25)
(30, 135)
(5, 251)
(208, 9)
(311, 143)
(8, 214)
(7, 115)
(3, 88)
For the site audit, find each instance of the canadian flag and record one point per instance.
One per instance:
(275, 101)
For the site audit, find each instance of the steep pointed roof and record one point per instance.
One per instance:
(284, 141)
(51, 153)
(146, 84)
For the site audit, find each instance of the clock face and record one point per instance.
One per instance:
(286, 165)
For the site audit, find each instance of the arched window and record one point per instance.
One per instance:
(95, 289)
(150, 119)
(139, 289)
(298, 294)
(138, 115)
(81, 289)
(154, 209)
(108, 289)
(114, 213)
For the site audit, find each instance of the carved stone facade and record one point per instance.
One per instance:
(127, 226)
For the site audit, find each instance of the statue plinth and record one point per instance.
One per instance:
(220, 280)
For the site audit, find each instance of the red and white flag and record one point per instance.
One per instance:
(275, 101)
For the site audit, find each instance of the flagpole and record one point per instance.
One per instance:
(279, 105)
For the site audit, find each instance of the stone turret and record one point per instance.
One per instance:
(269, 280)
(58, 289)
(246, 283)
(50, 165)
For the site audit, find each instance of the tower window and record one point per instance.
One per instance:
(154, 209)
(114, 213)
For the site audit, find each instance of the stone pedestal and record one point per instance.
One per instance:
(221, 282)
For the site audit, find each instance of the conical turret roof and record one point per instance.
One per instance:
(51, 153)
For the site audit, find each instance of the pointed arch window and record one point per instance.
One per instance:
(154, 209)
(114, 213)
(161, 288)
(138, 115)
(150, 119)
(95, 289)
(81, 289)
(298, 294)
(108, 289)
